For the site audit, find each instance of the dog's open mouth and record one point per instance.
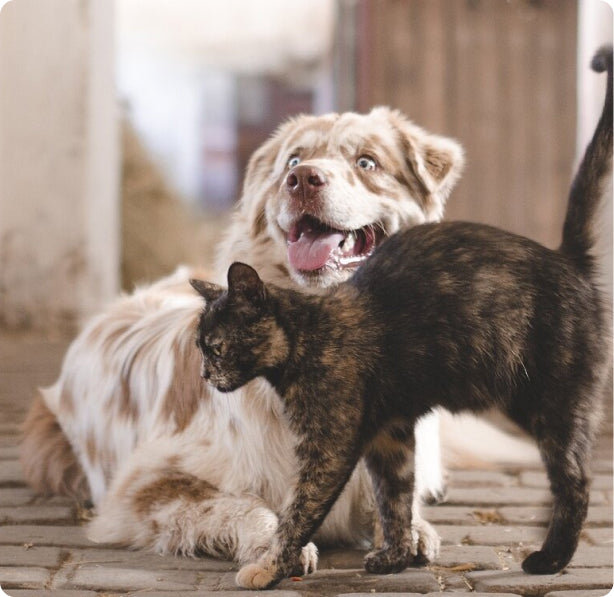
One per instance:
(313, 245)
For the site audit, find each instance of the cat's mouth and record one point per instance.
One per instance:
(314, 245)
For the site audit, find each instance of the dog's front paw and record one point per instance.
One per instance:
(256, 576)
(425, 541)
(309, 558)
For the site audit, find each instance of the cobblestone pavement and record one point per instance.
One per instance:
(489, 521)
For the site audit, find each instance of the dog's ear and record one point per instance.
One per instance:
(210, 292)
(245, 285)
(437, 162)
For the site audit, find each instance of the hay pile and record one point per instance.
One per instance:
(158, 230)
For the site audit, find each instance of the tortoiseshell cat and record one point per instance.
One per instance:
(458, 315)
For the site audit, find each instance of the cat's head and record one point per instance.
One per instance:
(238, 335)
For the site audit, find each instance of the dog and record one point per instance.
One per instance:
(176, 467)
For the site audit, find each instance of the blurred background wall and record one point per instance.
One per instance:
(59, 162)
(124, 132)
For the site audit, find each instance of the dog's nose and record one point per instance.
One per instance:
(305, 181)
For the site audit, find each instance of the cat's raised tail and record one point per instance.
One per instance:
(588, 185)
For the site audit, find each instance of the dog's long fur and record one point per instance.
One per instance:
(173, 466)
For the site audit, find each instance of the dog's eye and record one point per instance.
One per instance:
(293, 160)
(366, 162)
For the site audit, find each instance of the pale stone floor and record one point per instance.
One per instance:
(488, 522)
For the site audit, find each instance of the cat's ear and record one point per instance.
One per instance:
(244, 282)
(210, 292)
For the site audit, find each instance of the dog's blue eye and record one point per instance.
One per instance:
(294, 160)
(366, 162)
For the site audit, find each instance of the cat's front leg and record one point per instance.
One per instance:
(326, 466)
(407, 538)
(267, 570)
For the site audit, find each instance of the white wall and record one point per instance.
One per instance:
(59, 243)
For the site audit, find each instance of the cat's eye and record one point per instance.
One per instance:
(215, 348)
(293, 160)
(366, 162)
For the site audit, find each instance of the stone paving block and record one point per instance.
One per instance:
(446, 514)
(8, 441)
(579, 593)
(598, 536)
(452, 556)
(237, 593)
(11, 429)
(95, 577)
(497, 496)
(10, 473)
(540, 515)
(540, 479)
(506, 496)
(602, 465)
(380, 594)
(18, 555)
(592, 557)
(490, 535)
(65, 536)
(37, 515)
(512, 515)
(148, 560)
(349, 581)
(438, 594)
(15, 496)
(473, 594)
(17, 577)
(49, 593)
(10, 452)
(341, 559)
(473, 478)
(532, 584)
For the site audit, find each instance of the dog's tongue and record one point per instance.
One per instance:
(312, 249)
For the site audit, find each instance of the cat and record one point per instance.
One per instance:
(453, 314)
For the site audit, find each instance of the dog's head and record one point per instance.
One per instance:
(323, 191)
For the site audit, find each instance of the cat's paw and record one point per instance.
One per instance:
(309, 558)
(256, 576)
(540, 562)
(389, 559)
(425, 541)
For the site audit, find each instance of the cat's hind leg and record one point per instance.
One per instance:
(565, 443)
(407, 538)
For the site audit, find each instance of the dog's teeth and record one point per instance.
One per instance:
(349, 242)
